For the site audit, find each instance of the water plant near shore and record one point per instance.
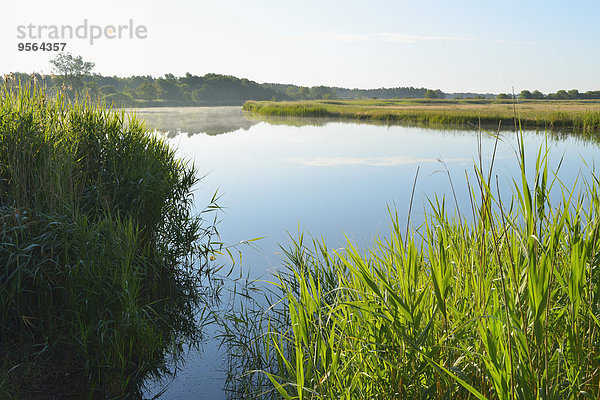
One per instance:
(579, 117)
(103, 262)
(504, 304)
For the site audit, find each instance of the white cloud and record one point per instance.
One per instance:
(513, 41)
(390, 37)
(372, 161)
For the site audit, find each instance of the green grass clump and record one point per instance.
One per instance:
(582, 117)
(102, 261)
(504, 304)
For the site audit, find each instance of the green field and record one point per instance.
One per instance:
(580, 115)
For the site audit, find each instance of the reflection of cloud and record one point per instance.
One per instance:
(372, 161)
(513, 41)
(392, 37)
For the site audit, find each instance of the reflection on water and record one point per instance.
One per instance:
(219, 120)
(557, 134)
(307, 121)
(194, 120)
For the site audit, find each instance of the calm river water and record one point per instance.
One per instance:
(330, 179)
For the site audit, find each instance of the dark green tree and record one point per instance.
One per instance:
(108, 89)
(303, 93)
(536, 94)
(70, 70)
(147, 91)
(573, 94)
(561, 95)
(167, 88)
(525, 94)
(434, 94)
(321, 92)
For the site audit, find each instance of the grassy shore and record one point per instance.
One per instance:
(504, 304)
(578, 115)
(103, 261)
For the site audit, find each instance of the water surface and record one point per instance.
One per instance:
(336, 180)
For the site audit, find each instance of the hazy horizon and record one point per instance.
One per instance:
(463, 46)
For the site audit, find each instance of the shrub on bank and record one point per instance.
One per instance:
(103, 264)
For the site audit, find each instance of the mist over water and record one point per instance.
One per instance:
(194, 120)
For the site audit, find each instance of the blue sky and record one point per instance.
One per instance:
(482, 46)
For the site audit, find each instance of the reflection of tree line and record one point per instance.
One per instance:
(554, 134)
(219, 120)
(193, 120)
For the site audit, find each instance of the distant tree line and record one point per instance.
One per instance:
(210, 89)
(572, 94)
(294, 92)
(72, 76)
(470, 96)
(381, 93)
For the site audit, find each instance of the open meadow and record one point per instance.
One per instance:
(582, 115)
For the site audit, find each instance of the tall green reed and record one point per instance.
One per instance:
(103, 263)
(502, 305)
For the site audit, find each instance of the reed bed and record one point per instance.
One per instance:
(103, 262)
(577, 115)
(501, 304)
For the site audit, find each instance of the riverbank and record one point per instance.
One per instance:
(579, 115)
(104, 262)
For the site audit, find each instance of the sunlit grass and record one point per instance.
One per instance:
(504, 304)
(581, 116)
(102, 259)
